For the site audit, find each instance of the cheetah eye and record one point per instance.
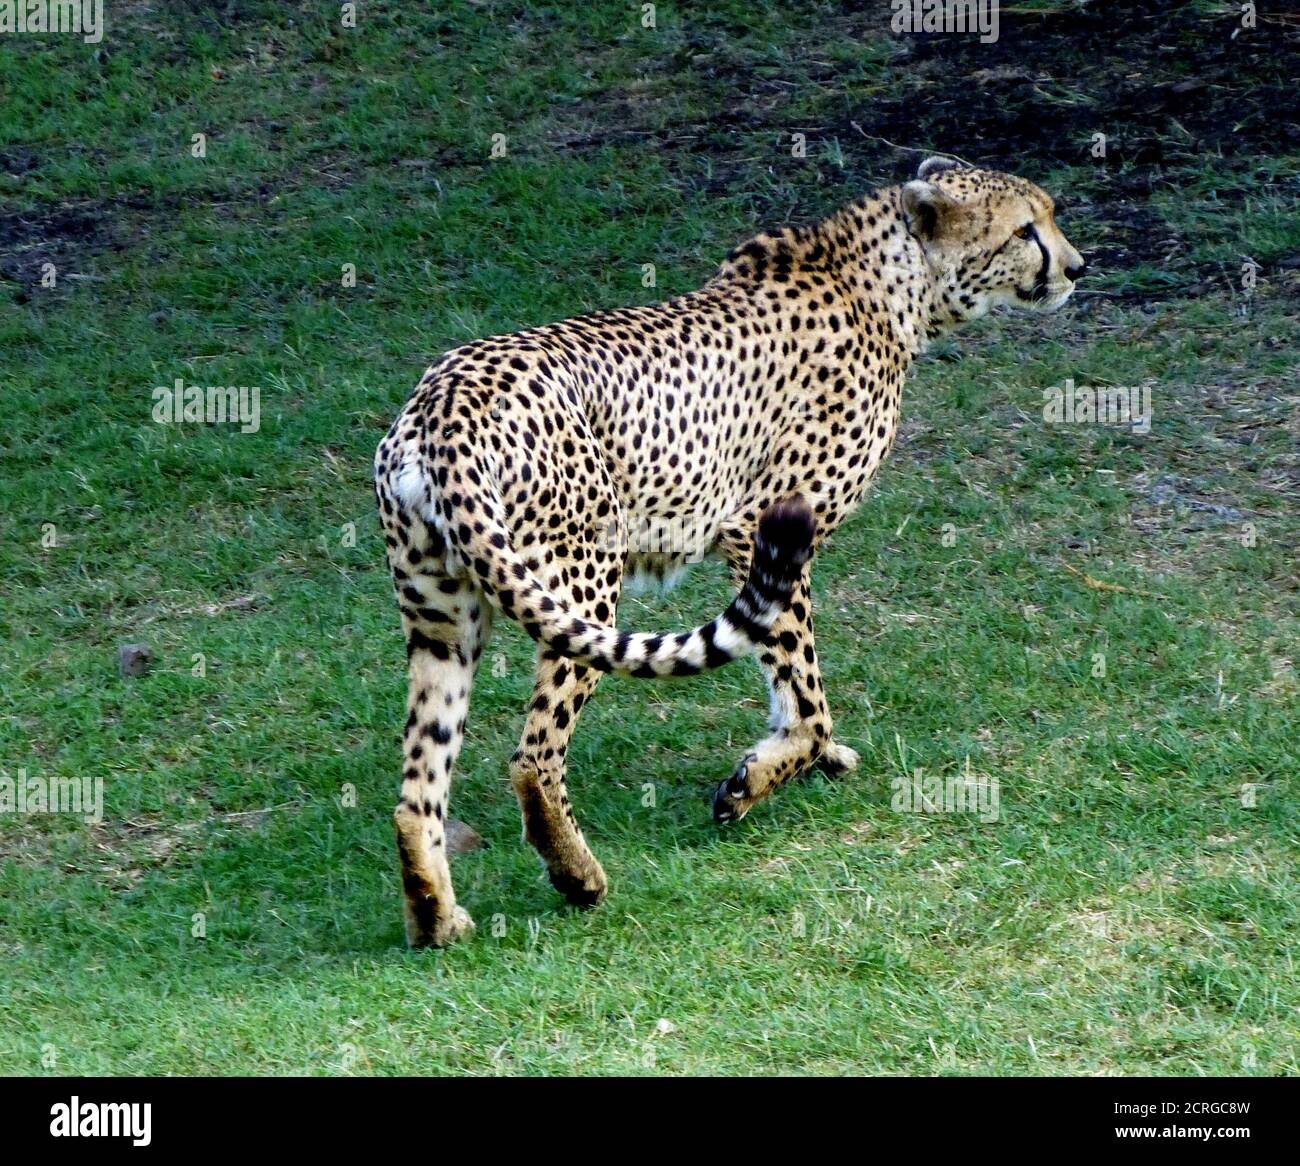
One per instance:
(1025, 231)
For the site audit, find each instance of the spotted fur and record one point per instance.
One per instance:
(529, 472)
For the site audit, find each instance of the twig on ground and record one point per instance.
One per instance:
(1100, 585)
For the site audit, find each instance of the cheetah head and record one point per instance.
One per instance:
(988, 238)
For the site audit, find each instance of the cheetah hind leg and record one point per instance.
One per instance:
(442, 659)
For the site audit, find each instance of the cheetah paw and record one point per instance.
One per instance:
(582, 890)
(731, 800)
(458, 925)
(837, 759)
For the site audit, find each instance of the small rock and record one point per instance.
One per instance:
(134, 659)
(462, 838)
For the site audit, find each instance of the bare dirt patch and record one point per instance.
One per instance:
(66, 237)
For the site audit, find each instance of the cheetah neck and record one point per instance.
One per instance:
(885, 284)
(883, 271)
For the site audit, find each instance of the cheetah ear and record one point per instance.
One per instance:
(927, 208)
(936, 165)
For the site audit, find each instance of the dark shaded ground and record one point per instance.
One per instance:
(1167, 87)
(28, 241)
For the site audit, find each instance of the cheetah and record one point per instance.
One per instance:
(529, 474)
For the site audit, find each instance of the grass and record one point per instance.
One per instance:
(1132, 910)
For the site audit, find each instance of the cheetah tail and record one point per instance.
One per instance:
(782, 545)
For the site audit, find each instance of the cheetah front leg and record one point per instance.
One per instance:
(800, 722)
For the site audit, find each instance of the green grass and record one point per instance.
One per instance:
(1133, 910)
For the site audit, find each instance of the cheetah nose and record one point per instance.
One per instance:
(1073, 273)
